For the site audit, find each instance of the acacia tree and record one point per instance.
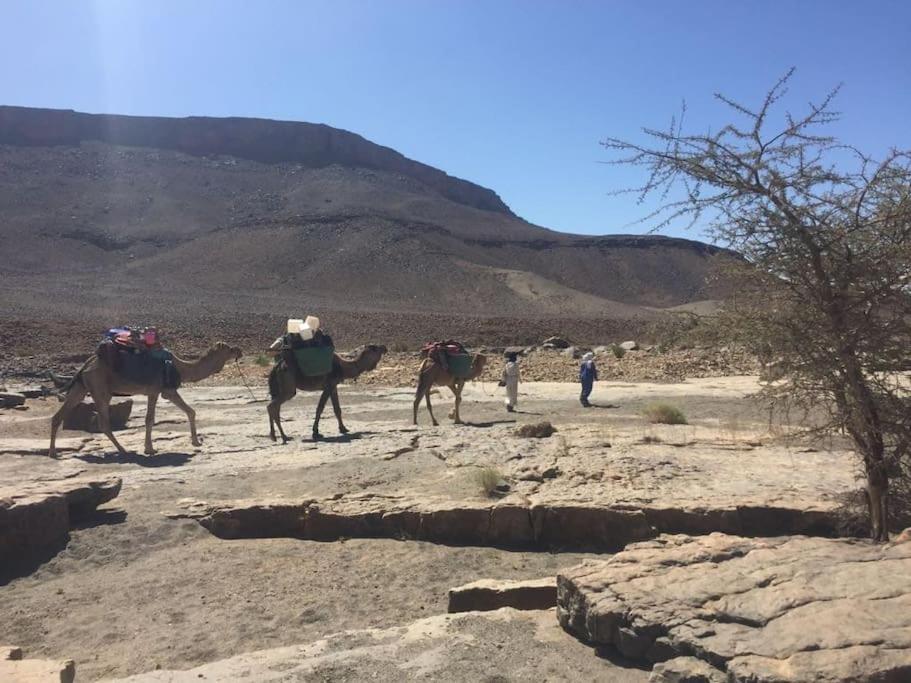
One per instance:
(825, 231)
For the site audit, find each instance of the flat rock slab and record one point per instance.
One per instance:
(474, 646)
(35, 518)
(37, 671)
(508, 523)
(776, 609)
(490, 594)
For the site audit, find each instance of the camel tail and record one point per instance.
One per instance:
(64, 384)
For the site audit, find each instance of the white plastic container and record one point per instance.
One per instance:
(305, 332)
(312, 322)
(294, 325)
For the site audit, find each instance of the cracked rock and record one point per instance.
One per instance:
(774, 609)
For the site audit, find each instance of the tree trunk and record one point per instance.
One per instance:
(878, 500)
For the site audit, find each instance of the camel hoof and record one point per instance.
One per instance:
(317, 436)
(197, 442)
(343, 430)
(149, 451)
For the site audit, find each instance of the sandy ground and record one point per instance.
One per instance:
(135, 590)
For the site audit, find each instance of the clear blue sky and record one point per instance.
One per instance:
(512, 95)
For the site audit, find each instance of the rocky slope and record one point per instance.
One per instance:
(191, 222)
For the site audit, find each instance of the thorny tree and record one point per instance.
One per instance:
(826, 234)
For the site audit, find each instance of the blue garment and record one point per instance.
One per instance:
(588, 373)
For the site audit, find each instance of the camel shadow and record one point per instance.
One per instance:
(339, 438)
(606, 406)
(486, 425)
(131, 458)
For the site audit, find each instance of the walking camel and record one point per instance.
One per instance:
(285, 381)
(432, 373)
(99, 380)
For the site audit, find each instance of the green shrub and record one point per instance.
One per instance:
(262, 360)
(664, 413)
(618, 351)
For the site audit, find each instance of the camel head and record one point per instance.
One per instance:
(477, 364)
(369, 356)
(226, 351)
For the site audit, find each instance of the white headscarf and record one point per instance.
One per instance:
(588, 356)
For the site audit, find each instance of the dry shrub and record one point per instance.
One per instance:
(536, 430)
(488, 478)
(664, 413)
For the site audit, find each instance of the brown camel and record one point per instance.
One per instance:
(432, 373)
(285, 381)
(100, 381)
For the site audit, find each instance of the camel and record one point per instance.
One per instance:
(432, 373)
(285, 381)
(96, 378)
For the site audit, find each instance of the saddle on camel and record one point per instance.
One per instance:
(306, 348)
(137, 356)
(451, 355)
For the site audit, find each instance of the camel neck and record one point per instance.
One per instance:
(194, 371)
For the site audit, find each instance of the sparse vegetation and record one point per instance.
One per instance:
(664, 413)
(823, 289)
(487, 479)
(618, 351)
(536, 430)
(262, 360)
(650, 438)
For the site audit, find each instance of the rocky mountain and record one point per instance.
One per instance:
(121, 217)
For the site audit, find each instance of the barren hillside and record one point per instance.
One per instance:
(229, 224)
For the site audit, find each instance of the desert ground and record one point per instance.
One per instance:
(142, 586)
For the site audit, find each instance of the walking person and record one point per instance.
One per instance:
(510, 380)
(588, 375)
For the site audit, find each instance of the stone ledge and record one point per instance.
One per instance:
(541, 524)
(488, 594)
(35, 519)
(776, 609)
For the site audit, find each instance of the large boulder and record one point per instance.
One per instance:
(11, 399)
(762, 610)
(84, 416)
(555, 343)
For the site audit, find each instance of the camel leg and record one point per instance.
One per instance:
(418, 395)
(73, 398)
(323, 397)
(275, 418)
(150, 422)
(337, 409)
(103, 406)
(433, 420)
(457, 390)
(177, 400)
